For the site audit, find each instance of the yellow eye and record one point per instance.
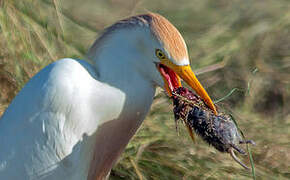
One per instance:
(160, 54)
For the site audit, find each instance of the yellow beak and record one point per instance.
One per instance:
(185, 73)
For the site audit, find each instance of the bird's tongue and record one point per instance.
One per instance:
(170, 76)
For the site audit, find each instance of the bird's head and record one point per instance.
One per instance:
(153, 46)
(171, 59)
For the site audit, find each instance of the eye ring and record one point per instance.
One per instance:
(160, 54)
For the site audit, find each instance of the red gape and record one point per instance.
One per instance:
(170, 76)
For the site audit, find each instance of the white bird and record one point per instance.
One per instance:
(73, 119)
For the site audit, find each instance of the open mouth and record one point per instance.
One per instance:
(171, 79)
(172, 74)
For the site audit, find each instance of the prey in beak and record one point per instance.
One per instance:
(172, 74)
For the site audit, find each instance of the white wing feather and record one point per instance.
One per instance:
(47, 120)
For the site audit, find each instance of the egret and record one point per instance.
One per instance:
(73, 119)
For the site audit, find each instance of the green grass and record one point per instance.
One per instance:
(227, 41)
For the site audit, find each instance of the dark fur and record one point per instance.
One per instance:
(218, 130)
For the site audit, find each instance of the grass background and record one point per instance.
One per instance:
(242, 44)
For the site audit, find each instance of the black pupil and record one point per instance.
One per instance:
(160, 54)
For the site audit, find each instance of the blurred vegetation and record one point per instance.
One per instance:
(242, 44)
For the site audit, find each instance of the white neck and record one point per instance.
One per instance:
(120, 63)
(117, 64)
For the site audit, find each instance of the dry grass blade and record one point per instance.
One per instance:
(136, 169)
(57, 9)
(210, 68)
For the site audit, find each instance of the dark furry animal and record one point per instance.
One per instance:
(220, 130)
